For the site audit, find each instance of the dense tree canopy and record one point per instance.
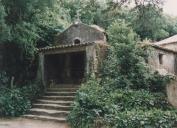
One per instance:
(30, 24)
(4, 30)
(127, 93)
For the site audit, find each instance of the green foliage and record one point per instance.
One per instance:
(17, 101)
(157, 83)
(4, 30)
(90, 11)
(29, 25)
(4, 79)
(87, 106)
(13, 103)
(170, 24)
(146, 18)
(32, 91)
(119, 108)
(142, 119)
(128, 94)
(127, 87)
(127, 58)
(148, 22)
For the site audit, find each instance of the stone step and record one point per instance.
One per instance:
(46, 112)
(62, 89)
(55, 105)
(52, 106)
(65, 86)
(60, 93)
(60, 102)
(65, 98)
(46, 118)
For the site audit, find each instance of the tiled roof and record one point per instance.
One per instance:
(164, 49)
(98, 28)
(63, 46)
(169, 40)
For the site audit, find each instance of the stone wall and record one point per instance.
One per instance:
(81, 32)
(160, 59)
(172, 46)
(172, 93)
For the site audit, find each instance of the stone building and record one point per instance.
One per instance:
(164, 56)
(77, 52)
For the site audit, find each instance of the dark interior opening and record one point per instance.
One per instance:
(160, 58)
(68, 68)
(77, 41)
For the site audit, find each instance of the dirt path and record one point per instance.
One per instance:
(28, 123)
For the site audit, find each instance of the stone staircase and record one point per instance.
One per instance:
(55, 105)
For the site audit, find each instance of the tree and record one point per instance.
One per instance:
(90, 11)
(30, 23)
(4, 30)
(170, 24)
(126, 58)
(148, 22)
(122, 96)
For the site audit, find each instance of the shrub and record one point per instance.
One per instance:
(4, 79)
(128, 94)
(117, 108)
(157, 82)
(13, 103)
(125, 65)
(32, 91)
(140, 100)
(143, 119)
(88, 105)
(17, 101)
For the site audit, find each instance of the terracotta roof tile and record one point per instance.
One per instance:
(169, 40)
(63, 46)
(164, 49)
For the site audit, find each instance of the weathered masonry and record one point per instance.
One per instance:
(164, 56)
(77, 52)
(164, 59)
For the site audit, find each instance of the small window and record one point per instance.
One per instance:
(77, 41)
(161, 58)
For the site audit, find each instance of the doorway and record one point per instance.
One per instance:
(65, 68)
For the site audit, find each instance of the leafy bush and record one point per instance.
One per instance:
(144, 119)
(117, 108)
(125, 65)
(140, 100)
(128, 68)
(88, 105)
(32, 91)
(157, 82)
(13, 103)
(4, 79)
(128, 94)
(17, 101)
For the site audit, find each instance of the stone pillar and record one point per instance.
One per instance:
(67, 66)
(90, 60)
(41, 69)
